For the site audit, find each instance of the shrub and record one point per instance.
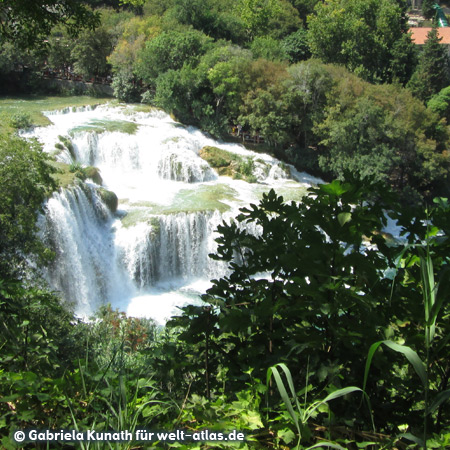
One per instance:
(124, 87)
(20, 120)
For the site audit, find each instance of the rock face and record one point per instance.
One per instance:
(109, 198)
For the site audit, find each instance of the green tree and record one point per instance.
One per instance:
(256, 15)
(359, 34)
(60, 50)
(296, 46)
(91, 52)
(403, 60)
(268, 48)
(125, 87)
(15, 61)
(285, 111)
(304, 7)
(440, 103)
(28, 23)
(170, 50)
(432, 72)
(25, 181)
(285, 21)
(385, 131)
(357, 140)
(427, 8)
(206, 16)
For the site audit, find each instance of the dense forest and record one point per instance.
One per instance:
(346, 342)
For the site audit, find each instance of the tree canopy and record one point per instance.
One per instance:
(29, 22)
(433, 71)
(360, 34)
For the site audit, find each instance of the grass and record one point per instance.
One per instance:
(63, 177)
(34, 105)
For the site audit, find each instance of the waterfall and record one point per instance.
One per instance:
(76, 228)
(171, 246)
(152, 254)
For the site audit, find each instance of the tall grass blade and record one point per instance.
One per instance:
(326, 444)
(440, 398)
(332, 396)
(413, 438)
(288, 375)
(408, 352)
(284, 395)
(429, 294)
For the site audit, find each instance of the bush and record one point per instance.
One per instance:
(124, 87)
(20, 120)
(77, 169)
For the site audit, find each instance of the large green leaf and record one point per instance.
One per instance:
(344, 217)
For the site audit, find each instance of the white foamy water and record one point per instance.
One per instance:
(151, 256)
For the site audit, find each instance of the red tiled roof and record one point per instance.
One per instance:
(420, 34)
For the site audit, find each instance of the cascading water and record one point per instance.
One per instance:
(152, 254)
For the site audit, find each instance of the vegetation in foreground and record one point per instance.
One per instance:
(351, 327)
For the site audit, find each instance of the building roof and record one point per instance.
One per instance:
(419, 34)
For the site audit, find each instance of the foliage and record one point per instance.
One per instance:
(59, 50)
(125, 89)
(440, 103)
(20, 120)
(304, 7)
(301, 416)
(432, 72)
(376, 136)
(91, 51)
(329, 271)
(296, 46)
(285, 111)
(427, 8)
(360, 34)
(256, 14)
(268, 48)
(40, 341)
(28, 23)
(327, 119)
(25, 181)
(136, 31)
(170, 50)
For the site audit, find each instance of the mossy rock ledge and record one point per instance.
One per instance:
(94, 174)
(228, 164)
(109, 198)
